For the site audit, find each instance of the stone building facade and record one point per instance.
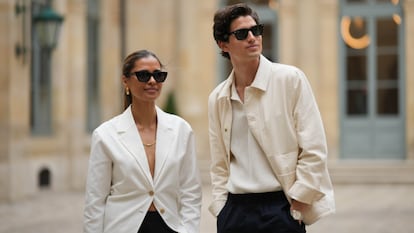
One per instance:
(50, 102)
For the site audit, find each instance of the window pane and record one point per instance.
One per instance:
(357, 67)
(357, 102)
(387, 101)
(387, 32)
(387, 68)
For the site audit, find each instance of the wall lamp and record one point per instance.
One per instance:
(21, 48)
(47, 25)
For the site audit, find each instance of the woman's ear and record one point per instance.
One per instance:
(125, 84)
(124, 80)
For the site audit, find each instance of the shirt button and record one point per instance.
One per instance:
(151, 193)
(162, 210)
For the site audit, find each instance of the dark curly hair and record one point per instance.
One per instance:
(225, 16)
(128, 65)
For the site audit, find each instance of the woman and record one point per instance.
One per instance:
(143, 175)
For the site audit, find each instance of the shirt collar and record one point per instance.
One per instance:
(233, 93)
(262, 75)
(260, 82)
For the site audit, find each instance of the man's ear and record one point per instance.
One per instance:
(223, 46)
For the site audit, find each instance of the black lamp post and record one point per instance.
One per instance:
(47, 25)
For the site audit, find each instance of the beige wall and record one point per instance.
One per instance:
(328, 85)
(5, 73)
(14, 93)
(308, 39)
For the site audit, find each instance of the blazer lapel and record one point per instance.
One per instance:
(165, 137)
(131, 140)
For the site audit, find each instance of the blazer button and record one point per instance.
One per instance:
(162, 210)
(151, 193)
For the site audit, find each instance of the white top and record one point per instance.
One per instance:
(250, 171)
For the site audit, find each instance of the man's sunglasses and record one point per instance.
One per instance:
(241, 34)
(145, 76)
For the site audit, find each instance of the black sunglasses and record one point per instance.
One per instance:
(241, 34)
(145, 76)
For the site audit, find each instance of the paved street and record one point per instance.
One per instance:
(360, 209)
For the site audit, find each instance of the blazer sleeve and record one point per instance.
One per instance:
(219, 165)
(190, 188)
(312, 159)
(98, 184)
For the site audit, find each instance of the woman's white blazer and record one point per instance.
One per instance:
(120, 188)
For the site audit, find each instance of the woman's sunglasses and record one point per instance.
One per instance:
(241, 34)
(144, 76)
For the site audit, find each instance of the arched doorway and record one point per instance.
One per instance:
(44, 178)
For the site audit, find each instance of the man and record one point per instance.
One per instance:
(268, 146)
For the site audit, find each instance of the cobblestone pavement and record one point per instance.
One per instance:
(360, 209)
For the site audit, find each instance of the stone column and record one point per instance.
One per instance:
(14, 99)
(70, 72)
(288, 36)
(6, 28)
(110, 60)
(409, 75)
(196, 75)
(328, 79)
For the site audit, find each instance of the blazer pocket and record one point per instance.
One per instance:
(283, 164)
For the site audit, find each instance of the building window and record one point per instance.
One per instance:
(93, 108)
(371, 57)
(41, 83)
